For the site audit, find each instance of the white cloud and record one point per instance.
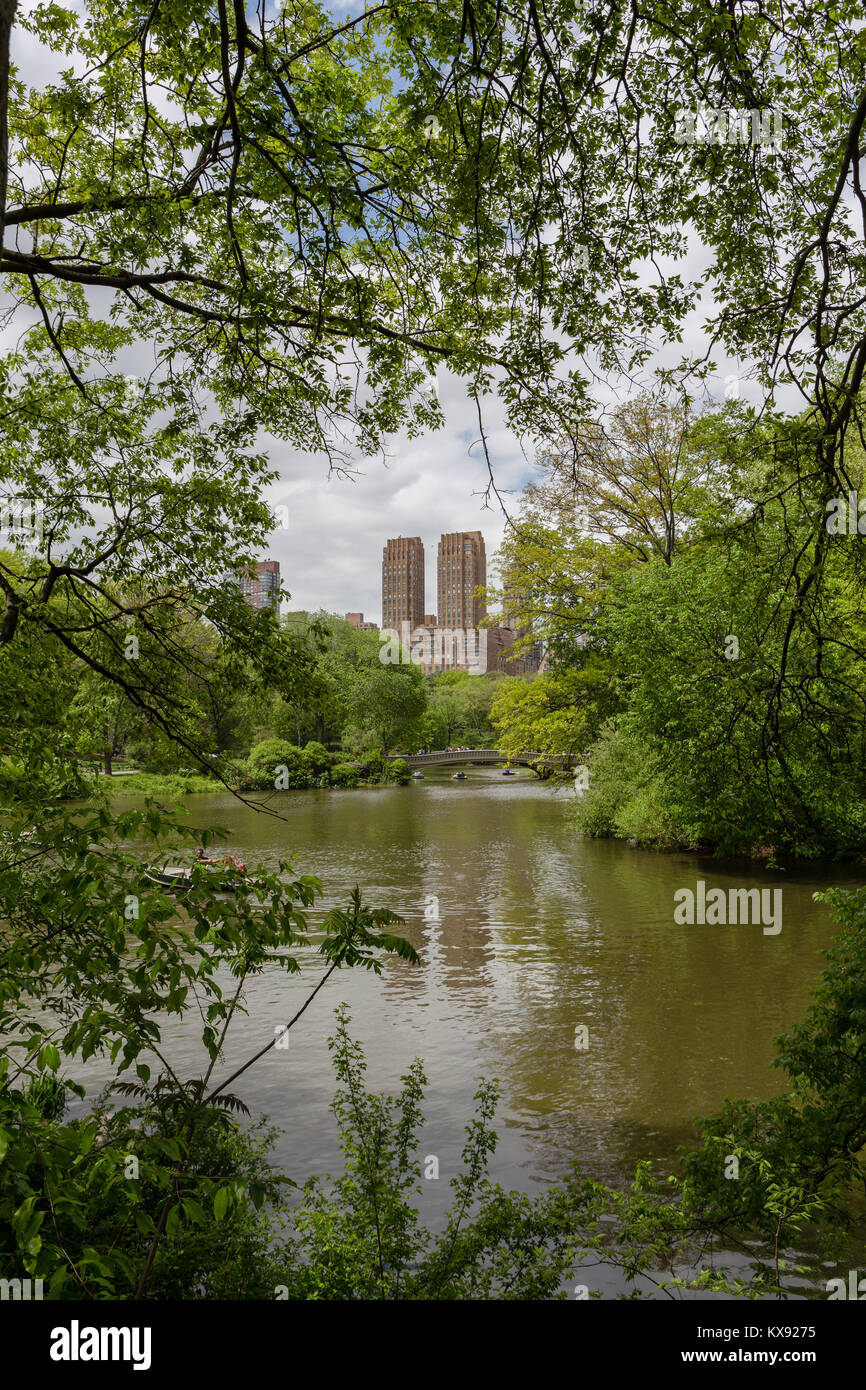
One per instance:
(331, 552)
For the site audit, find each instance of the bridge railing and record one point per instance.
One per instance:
(441, 756)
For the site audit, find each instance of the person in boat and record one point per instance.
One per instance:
(229, 859)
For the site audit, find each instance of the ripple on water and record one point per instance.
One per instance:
(539, 934)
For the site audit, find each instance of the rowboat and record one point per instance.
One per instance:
(172, 877)
(176, 878)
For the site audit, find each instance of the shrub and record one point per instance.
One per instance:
(242, 776)
(155, 753)
(269, 757)
(227, 1258)
(627, 796)
(317, 758)
(272, 751)
(53, 780)
(48, 1094)
(344, 775)
(801, 1152)
(362, 1237)
(153, 784)
(107, 1227)
(372, 764)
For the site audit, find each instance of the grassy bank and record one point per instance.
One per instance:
(164, 784)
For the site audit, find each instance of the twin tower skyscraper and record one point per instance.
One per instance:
(461, 568)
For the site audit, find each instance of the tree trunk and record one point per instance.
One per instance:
(10, 618)
(107, 756)
(7, 18)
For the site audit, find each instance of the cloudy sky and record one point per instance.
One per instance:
(330, 550)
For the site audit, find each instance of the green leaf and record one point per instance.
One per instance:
(221, 1202)
(195, 1211)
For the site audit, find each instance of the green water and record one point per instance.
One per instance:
(540, 933)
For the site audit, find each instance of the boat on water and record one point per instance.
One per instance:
(172, 877)
(176, 878)
(417, 776)
(458, 777)
(507, 772)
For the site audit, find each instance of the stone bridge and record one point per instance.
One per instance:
(445, 758)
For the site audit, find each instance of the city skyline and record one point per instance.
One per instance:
(432, 483)
(461, 618)
(459, 636)
(461, 568)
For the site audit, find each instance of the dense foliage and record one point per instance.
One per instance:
(716, 702)
(173, 1198)
(303, 218)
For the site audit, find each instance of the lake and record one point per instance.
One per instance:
(540, 934)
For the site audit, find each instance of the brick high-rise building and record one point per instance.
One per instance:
(403, 583)
(261, 586)
(461, 568)
(357, 620)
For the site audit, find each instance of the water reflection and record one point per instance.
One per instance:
(538, 933)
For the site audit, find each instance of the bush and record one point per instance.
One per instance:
(801, 1152)
(372, 764)
(198, 1257)
(152, 784)
(232, 1234)
(395, 770)
(48, 1094)
(344, 775)
(272, 751)
(362, 1237)
(228, 1258)
(317, 758)
(627, 797)
(271, 756)
(156, 754)
(53, 780)
(242, 776)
